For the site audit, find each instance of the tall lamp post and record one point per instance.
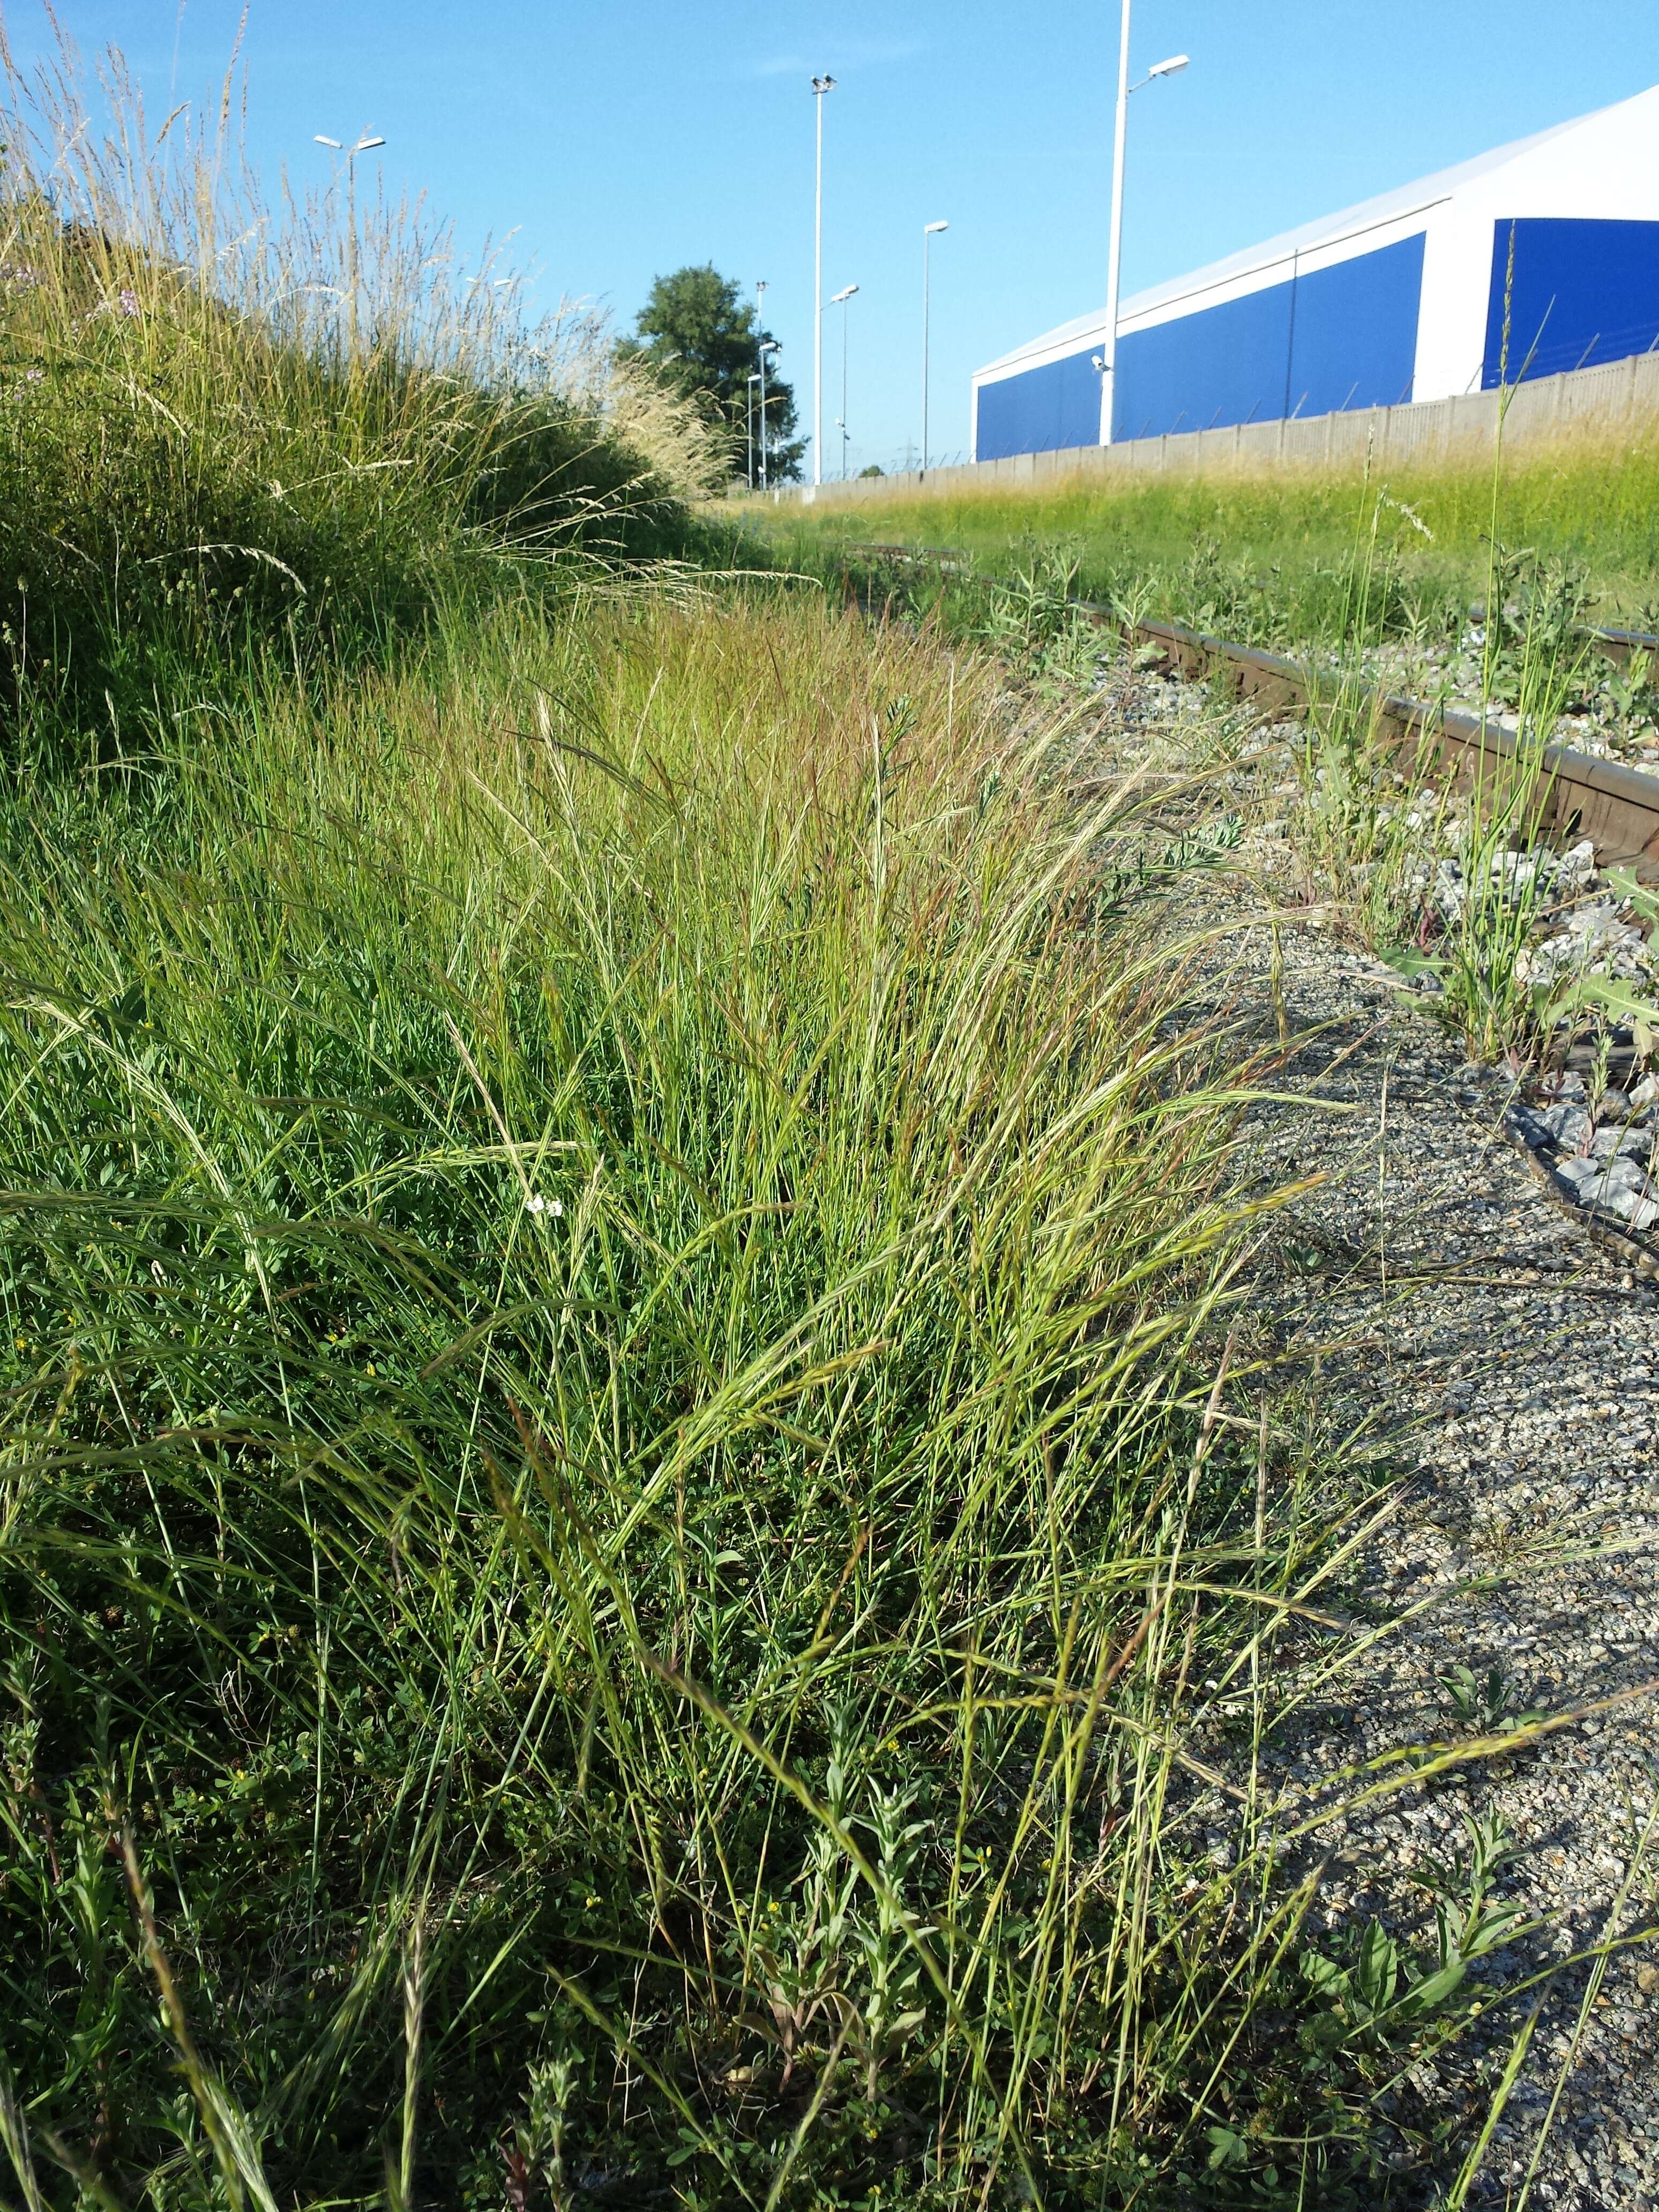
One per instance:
(364, 145)
(767, 345)
(839, 299)
(754, 378)
(929, 231)
(1115, 251)
(820, 86)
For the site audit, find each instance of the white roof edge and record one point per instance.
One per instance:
(1365, 214)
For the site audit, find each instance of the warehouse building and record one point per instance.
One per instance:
(1542, 257)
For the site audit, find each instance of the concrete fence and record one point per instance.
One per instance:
(1617, 393)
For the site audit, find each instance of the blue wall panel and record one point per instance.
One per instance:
(1339, 337)
(1355, 343)
(1223, 365)
(1042, 409)
(1583, 291)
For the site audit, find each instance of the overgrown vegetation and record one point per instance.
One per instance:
(1520, 948)
(1269, 558)
(228, 428)
(611, 1584)
(647, 1546)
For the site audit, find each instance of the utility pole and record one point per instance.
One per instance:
(771, 345)
(820, 86)
(1115, 249)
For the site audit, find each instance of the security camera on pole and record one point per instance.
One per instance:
(820, 86)
(1107, 356)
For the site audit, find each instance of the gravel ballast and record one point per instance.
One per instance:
(1514, 1370)
(1449, 1303)
(1461, 1325)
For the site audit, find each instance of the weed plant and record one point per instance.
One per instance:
(1453, 889)
(1446, 883)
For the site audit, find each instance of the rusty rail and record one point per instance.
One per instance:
(1578, 795)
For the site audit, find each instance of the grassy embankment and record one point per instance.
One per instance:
(1269, 558)
(623, 1495)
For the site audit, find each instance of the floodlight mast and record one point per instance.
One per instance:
(1172, 66)
(929, 232)
(820, 86)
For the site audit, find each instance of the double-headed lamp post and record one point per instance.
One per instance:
(364, 145)
(839, 299)
(929, 232)
(760, 336)
(767, 345)
(820, 86)
(1114, 253)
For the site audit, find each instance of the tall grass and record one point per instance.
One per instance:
(1267, 557)
(642, 1551)
(1428, 863)
(227, 424)
(1455, 883)
(613, 1269)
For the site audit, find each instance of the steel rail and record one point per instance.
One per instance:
(1576, 795)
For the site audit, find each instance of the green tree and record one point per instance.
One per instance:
(698, 333)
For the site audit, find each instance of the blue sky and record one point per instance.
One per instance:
(621, 137)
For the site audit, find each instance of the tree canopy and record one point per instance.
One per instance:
(699, 333)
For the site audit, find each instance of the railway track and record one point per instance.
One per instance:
(1580, 796)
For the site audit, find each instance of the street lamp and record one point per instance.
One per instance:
(928, 232)
(820, 86)
(754, 378)
(839, 299)
(1115, 257)
(364, 145)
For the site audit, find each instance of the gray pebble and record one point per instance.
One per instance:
(1568, 1124)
